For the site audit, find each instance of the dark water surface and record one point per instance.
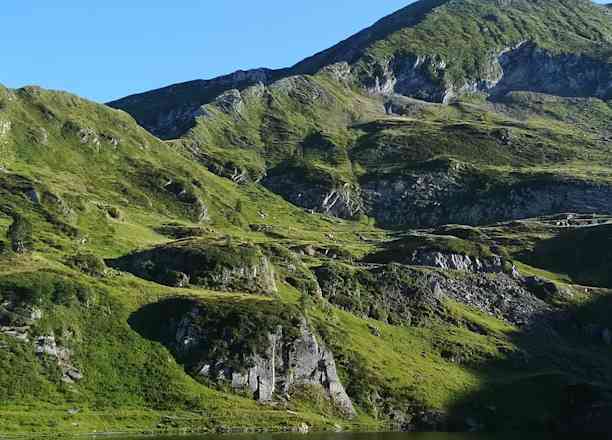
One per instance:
(357, 436)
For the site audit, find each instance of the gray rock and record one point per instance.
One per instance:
(528, 67)
(47, 346)
(449, 261)
(525, 67)
(407, 292)
(450, 197)
(343, 201)
(283, 365)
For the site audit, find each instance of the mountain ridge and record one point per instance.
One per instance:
(423, 80)
(263, 125)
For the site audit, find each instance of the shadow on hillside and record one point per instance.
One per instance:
(584, 253)
(559, 379)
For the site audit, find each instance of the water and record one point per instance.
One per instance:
(357, 436)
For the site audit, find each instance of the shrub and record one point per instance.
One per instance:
(89, 264)
(44, 289)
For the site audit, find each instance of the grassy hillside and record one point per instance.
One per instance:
(103, 225)
(95, 186)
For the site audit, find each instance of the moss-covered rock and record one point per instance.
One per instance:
(237, 268)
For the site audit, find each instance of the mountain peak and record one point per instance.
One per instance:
(350, 48)
(434, 50)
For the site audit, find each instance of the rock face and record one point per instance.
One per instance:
(277, 368)
(344, 201)
(407, 295)
(225, 268)
(531, 68)
(438, 198)
(499, 295)
(47, 346)
(265, 350)
(392, 293)
(17, 320)
(424, 77)
(450, 261)
(425, 199)
(525, 67)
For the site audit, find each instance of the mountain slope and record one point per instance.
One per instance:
(337, 132)
(316, 248)
(452, 45)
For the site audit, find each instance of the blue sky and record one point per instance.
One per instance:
(108, 49)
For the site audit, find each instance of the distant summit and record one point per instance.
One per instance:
(433, 50)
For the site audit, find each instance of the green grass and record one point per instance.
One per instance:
(105, 187)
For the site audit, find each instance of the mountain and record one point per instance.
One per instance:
(407, 231)
(394, 104)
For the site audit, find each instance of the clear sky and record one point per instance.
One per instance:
(108, 49)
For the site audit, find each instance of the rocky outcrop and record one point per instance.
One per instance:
(454, 195)
(342, 201)
(276, 369)
(436, 198)
(524, 67)
(528, 67)
(263, 349)
(196, 262)
(17, 321)
(407, 295)
(466, 263)
(47, 346)
(499, 295)
(425, 77)
(391, 293)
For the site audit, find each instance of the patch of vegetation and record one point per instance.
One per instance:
(226, 266)
(89, 264)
